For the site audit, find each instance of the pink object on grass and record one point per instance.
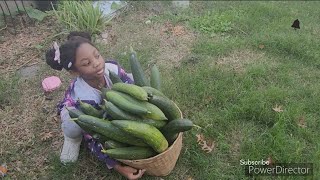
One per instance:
(51, 83)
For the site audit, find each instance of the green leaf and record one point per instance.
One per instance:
(36, 14)
(115, 6)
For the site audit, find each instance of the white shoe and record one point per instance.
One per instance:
(70, 149)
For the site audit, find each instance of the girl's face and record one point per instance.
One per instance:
(89, 64)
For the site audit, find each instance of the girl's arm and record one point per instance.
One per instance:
(114, 66)
(125, 77)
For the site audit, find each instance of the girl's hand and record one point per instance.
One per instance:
(129, 172)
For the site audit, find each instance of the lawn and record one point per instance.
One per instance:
(237, 69)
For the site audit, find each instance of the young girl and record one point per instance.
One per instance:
(82, 59)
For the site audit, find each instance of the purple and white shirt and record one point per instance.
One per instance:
(79, 89)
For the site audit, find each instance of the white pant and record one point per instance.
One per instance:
(69, 128)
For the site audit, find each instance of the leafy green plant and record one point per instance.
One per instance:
(212, 23)
(81, 16)
(32, 13)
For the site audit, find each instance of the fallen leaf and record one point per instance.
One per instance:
(168, 25)
(178, 30)
(56, 119)
(18, 169)
(167, 28)
(207, 101)
(261, 46)
(45, 136)
(3, 169)
(190, 178)
(206, 145)
(302, 122)
(278, 108)
(270, 160)
(199, 137)
(56, 144)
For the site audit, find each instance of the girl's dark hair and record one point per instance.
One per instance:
(68, 51)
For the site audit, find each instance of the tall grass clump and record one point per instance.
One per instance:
(81, 16)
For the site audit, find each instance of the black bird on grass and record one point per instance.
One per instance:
(296, 24)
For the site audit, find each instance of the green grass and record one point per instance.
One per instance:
(242, 102)
(226, 84)
(233, 107)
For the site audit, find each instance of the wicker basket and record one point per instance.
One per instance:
(161, 164)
